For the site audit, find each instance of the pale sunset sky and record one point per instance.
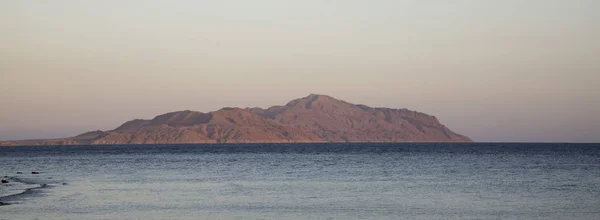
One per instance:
(498, 71)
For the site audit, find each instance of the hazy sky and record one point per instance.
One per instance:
(501, 70)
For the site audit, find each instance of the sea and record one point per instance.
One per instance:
(302, 181)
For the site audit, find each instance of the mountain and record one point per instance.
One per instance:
(315, 118)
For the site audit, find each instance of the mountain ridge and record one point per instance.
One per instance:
(315, 118)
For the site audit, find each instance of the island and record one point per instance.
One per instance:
(311, 119)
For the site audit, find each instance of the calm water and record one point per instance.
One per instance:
(303, 181)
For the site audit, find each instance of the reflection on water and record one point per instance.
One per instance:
(304, 181)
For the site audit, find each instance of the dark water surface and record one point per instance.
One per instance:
(302, 181)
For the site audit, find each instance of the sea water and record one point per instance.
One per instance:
(302, 181)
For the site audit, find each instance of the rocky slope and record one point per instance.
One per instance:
(316, 118)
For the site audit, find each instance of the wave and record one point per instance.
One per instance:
(19, 187)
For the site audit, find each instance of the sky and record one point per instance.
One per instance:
(496, 71)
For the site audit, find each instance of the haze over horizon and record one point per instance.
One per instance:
(496, 71)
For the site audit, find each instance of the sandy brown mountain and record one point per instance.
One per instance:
(316, 118)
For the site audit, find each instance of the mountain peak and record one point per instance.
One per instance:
(319, 96)
(314, 95)
(312, 99)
